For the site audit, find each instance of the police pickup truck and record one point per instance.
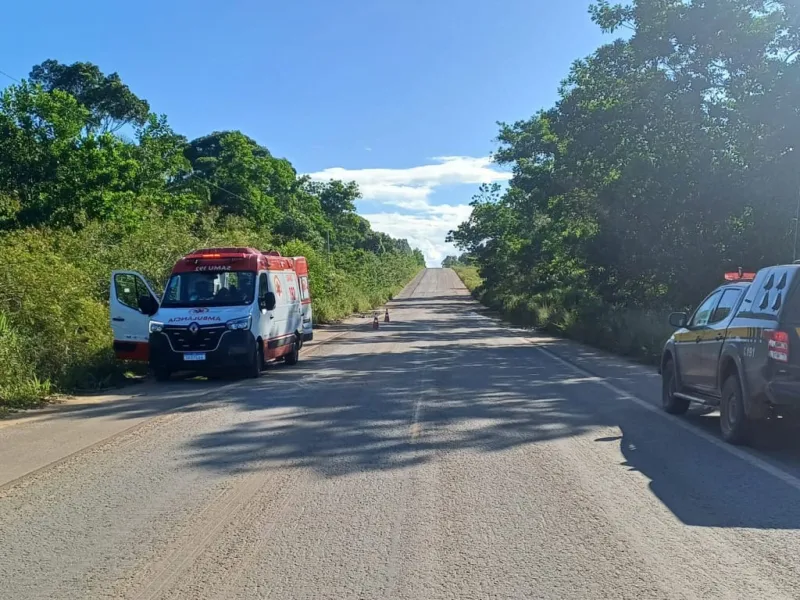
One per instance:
(739, 351)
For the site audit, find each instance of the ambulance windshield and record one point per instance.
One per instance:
(230, 288)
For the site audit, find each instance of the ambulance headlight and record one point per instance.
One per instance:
(156, 327)
(243, 323)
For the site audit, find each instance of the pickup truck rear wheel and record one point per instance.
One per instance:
(735, 425)
(669, 385)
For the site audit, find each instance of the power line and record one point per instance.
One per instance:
(222, 189)
(10, 77)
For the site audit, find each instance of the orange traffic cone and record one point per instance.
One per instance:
(375, 323)
(386, 316)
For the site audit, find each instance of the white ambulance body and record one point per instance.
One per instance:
(222, 309)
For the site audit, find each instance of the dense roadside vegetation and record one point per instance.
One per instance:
(91, 180)
(671, 156)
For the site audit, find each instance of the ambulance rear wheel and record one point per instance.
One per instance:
(294, 355)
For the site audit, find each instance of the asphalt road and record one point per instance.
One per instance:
(443, 456)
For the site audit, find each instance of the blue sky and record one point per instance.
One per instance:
(400, 96)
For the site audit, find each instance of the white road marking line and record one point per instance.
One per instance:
(415, 426)
(754, 461)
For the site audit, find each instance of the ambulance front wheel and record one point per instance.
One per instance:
(162, 373)
(294, 355)
(257, 362)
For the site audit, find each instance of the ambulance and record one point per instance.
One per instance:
(223, 309)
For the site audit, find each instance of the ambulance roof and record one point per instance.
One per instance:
(233, 259)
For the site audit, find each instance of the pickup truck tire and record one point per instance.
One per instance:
(669, 385)
(735, 425)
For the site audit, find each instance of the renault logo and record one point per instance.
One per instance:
(194, 328)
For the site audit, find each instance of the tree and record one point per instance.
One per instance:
(111, 103)
(668, 158)
(54, 169)
(449, 262)
(336, 197)
(38, 131)
(238, 176)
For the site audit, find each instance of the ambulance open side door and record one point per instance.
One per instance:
(132, 302)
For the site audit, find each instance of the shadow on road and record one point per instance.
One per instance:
(707, 488)
(449, 380)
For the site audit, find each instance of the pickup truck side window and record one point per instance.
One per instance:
(771, 295)
(761, 300)
(726, 304)
(703, 314)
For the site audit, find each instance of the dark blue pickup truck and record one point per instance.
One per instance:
(739, 351)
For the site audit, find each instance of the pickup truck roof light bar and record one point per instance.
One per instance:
(739, 276)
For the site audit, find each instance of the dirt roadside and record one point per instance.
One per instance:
(145, 388)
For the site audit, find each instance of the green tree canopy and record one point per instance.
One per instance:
(64, 164)
(110, 102)
(669, 158)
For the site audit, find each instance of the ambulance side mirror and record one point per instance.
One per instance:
(267, 301)
(148, 305)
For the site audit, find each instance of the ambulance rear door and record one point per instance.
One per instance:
(301, 269)
(281, 335)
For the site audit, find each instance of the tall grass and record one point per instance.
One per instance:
(633, 332)
(469, 275)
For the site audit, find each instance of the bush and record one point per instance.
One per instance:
(16, 387)
(53, 330)
(636, 333)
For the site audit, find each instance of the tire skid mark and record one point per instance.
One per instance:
(203, 532)
(320, 541)
(262, 533)
(236, 544)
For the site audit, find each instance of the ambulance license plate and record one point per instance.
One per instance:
(194, 356)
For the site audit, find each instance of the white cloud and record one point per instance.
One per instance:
(426, 232)
(387, 183)
(410, 189)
